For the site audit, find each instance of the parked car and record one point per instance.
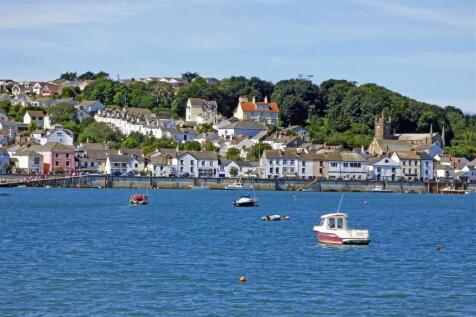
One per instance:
(117, 173)
(130, 173)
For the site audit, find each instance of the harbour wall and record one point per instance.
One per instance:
(107, 181)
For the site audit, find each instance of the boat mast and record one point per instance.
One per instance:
(340, 203)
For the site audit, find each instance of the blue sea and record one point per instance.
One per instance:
(86, 252)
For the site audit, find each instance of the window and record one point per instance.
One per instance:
(67, 163)
(136, 165)
(292, 169)
(191, 169)
(181, 162)
(404, 171)
(320, 163)
(332, 223)
(378, 169)
(285, 161)
(36, 160)
(346, 164)
(56, 155)
(393, 169)
(386, 161)
(192, 163)
(277, 169)
(426, 164)
(203, 163)
(320, 170)
(303, 170)
(211, 163)
(303, 163)
(56, 163)
(270, 162)
(404, 163)
(181, 168)
(340, 223)
(292, 162)
(271, 170)
(416, 163)
(67, 155)
(333, 164)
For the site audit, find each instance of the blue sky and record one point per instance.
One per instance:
(423, 49)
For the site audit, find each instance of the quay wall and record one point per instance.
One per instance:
(107, 181)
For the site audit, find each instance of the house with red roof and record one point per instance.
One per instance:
(262, 111)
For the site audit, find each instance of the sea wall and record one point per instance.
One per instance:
(103, 181)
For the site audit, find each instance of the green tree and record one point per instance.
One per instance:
(233, 172)
(71, 76)
(61, 113)
(189, 76)
(99, 132)
(5, 106)
(163, 94)
(257, 150)
(190, 146)
(233, 154)
(70, 92)
(298, 99)
(208, 146)
(32, 127)
(87, 76)
(206, 127)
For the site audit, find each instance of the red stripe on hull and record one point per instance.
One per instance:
(329, 238)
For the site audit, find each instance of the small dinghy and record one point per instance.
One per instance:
(275, 218)
(138, 199)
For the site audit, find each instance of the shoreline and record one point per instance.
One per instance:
(146, 182)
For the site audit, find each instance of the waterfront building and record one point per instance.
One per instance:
(263, 112)
(413, 165)
(198, 164)
(57, 157)
(383, 168)
(347, 165)
(90, 106)
(27, 161)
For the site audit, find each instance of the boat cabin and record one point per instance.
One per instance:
(334, 221)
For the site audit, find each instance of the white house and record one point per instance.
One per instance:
(347, 165)
(243, 168)
(28, 161)
(414, 165)
(383, 168)
(58, 134)
(34, 116)
(198, 110)
(123, 164)
(247, 128)
(264, 112)
(198, 164)
(90, 106)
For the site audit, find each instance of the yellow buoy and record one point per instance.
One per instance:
(242, 279)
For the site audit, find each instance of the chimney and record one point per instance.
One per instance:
(266, 99)
(254, 99)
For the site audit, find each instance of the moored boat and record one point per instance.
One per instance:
(334, 229)
(239, 186)
(380, 189)
(246, 201)
(138, 199)
(275, 218)
(449, 190)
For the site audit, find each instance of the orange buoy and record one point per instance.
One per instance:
(242, 279)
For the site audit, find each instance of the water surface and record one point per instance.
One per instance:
(67, 252)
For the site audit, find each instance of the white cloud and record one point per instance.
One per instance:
(446, 17)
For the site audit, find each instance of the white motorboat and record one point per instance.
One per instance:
(334, 229)
(380, 189)
(246, 201)
(239, 186)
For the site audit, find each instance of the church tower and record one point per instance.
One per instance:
(383, 130)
